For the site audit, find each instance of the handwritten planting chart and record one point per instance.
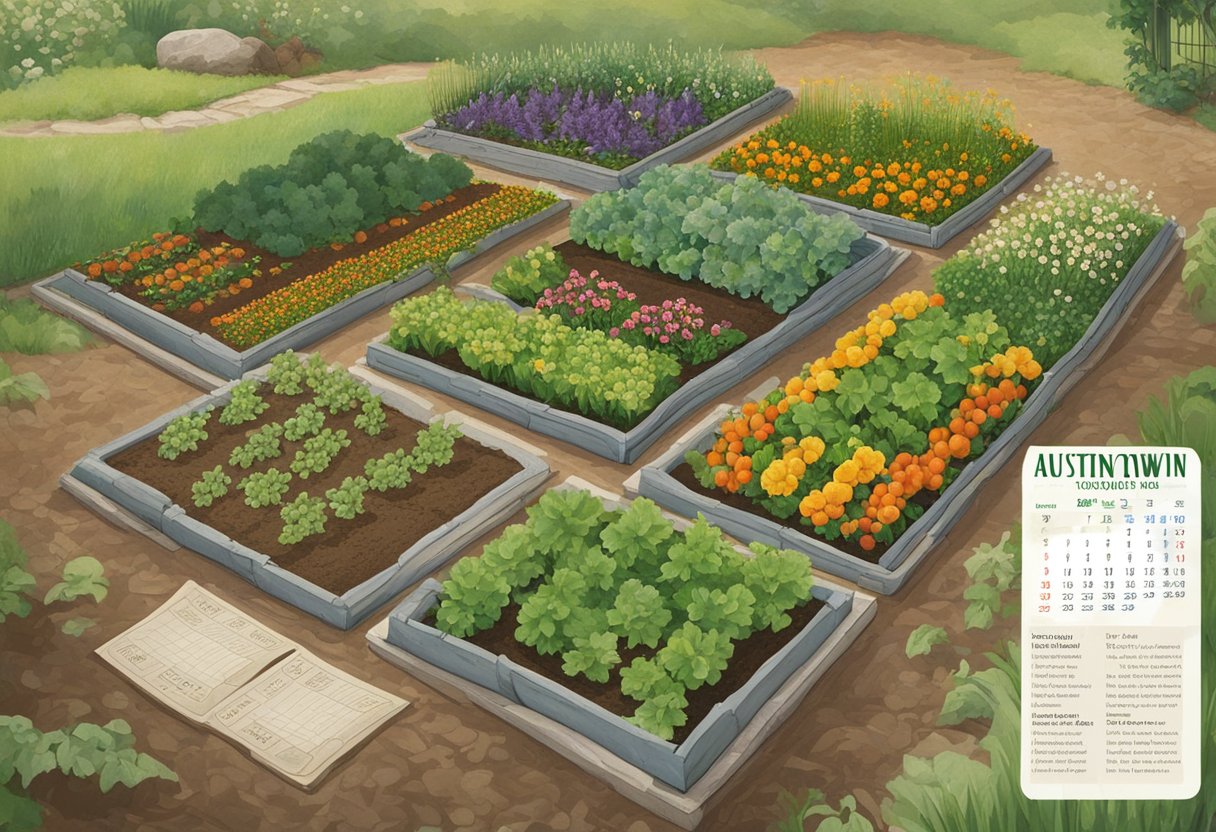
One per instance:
(1110, 623)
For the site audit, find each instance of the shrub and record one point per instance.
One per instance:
(328, 189)
(744, 237)
(1199, 274)
(183, 434)
(525, 278)
(245, 404)
(302, 517)
(213, 485)
(44, 37)
(265, 489)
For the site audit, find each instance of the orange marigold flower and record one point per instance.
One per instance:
(881, 200)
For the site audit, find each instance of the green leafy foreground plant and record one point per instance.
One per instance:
(588, 579)
(1199, 274)
(266, 488)
(244, 406)
(210, 487)
(184, 434)
(262, 444)
(525, 278)
(21, 388)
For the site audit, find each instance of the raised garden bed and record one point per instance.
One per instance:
(828, 509)
(253, 280)
(940, 162)
(565, 116)
(367, 532)
(660, 385)
(774, 668)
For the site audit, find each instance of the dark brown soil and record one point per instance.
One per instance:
(749, 654)
(308, 263)
(348, 552)
(684, 475)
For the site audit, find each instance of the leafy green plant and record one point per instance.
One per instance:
(318, 452)
(372, 418)
(662, 713)
(77, 751)
(22, 388)
(813, 804)
(81, 576)
(286, 374)
(544, 614)
(594, 656)
(779, 580)
(329, 188)
(994, 570)
(346, 500)
(525, 278)
(744, 237)
(183, 434)
(262, 444)
(389, 471)
(210, 487)
(435, 446)
(639, 615)
(922, 640)
(245, 404)
(302, 517)
(1199, 273)
(308, 421)
(514, 556)
(727, 611)
(27, 328)
(338, 391)
(696, 657)
(1156, 79)
(265, 489)
(473, 597)
(16, 583)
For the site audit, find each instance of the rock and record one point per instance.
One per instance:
(294, 58)
(215, 51)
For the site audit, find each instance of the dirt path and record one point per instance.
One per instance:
(451, 766)
(268, 99)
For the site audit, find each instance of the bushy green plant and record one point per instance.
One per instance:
(594, 656)
(584, 370)
(514, 556)
(27, 328)
(389, 471)
(328, 189)
(183, 434)
(638, 614)
(245, 404)
(474, 595)
(44, 37)
(696, 657)
(372, 418)
(434, 447)
(266, 488)
(1049, 263)
(302, 517)
(263, 444)
(210, 487)
(778, 580)
(1199, 273)
(308, 421)
(318, 452)
(21, 388)
(338, 391)
(742, 237)
(286, 374)
(346, 500)
(525, 278)
(16, 582)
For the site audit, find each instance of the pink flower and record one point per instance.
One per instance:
(715, 330)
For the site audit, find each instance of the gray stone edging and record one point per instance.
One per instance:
(214, 356)
(918, 233)
(922, 536)
(342, 611)
(678, 766)
(876, 261)
(588, 176)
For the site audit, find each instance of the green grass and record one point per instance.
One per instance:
(27, 328)
(69, 198)
(1205, 114)
(90, 93)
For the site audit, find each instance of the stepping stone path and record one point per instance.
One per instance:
(268, 99)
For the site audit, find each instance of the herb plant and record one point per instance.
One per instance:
(211, 486)
(346, 500)
(302, 517)
(183, 434)
(318, 452)
(265, 489)
(371, 419)
(308, 421)
(262, 444)
(286, 374)
(244, 406)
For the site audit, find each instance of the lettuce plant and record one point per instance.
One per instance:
(244, 406)
(662, 714)
(434, 447)
(389, 471)
(638, 614)
(696, 657)
(262, 444)
(371, 419)
(779, 580)
(318, 452)
(524, 278)
(473, 597)
(211, 486)
(594, 656)
(286, 374)
(183, 434)
(302, 517)
(347, 499)
(308, 421)
(265, 489)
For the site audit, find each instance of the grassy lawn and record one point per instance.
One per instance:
(68, 198)
(90, 93)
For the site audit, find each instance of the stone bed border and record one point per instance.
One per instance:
(106, 489)
(919, 233)
(219, 359)
(605, 744)
(585, 175)
(876, 261)
(931, 528)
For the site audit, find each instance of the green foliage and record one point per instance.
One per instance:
(318, 452)
(81, 576)
(389, 471)
(720, 82)
(779, 580)
(593, 656)
(514, 556)
(347, 499)
(76, 627)
(473, 597)
(812, 804)
(210, 487)
(245, 404)
(286, 374)
(922, 640)
(638, 614)
(1156, 79)
(584, 370)
(16, 583)
(302, 517)
(744, 238)
(993, 571)
(727, 611)
(308, 421)
(262, 444)
(434, 447)
(27, 328)
(696, 657)
(81, 751)
(265, 489)
(524, 278)
(23, 388)
(336, 390)
(329, 188)
(543, 614)
(645, 679)
(183, 434)
(1199, 274)
(371, 419)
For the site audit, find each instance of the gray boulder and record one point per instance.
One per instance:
(215, 51)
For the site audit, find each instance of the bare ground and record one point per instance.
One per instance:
(452, 766)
